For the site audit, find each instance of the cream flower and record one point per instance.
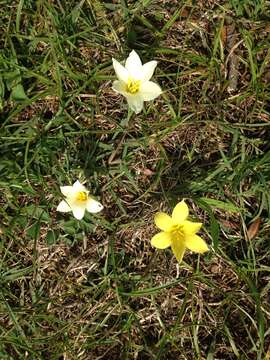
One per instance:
(178, 232)
(78, 200)
(133, 81)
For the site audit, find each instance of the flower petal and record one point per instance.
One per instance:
(134, 65)
(63, 207)
(178, 248)
(148, 70)
(120, 87)
(135, 102)
(161, 240)
(77, 186)
(93, 206)
(149, 90)
(121, 71)
(78, 211)
(190, 228)
(163, 221)
(66, 190)
(196, 243)
(180, 212)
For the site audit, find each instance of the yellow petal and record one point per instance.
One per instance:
(178, 248)
(163, 221)
(196, 243)
(190, 228)
(161, 240)
(180, 212)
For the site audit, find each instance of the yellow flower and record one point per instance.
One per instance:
(134, 81)
(78, 200)
(178, 232)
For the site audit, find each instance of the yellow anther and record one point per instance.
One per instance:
(133, 86)
(81, 196)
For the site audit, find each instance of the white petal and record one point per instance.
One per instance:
(149, 90)
(148, 70)
(134, 65)
(119, 87)
(78, 211)
(135, 102)
(63, 207)
(93, 206)
(121, 71)
(66, 190)
(77, 186)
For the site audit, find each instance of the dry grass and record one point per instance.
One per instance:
(96, 289)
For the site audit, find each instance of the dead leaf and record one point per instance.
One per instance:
(254, 229)
(185, 12)
(229, 224)
(229, 38)
(223, 35)
(148, 172)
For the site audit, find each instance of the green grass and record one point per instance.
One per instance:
(96, 289)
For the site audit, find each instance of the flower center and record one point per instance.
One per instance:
(177, 231)
(81, 196)
(133, 86)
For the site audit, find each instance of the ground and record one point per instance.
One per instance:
(96, 288)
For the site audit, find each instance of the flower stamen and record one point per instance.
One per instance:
(81, 196)
(177, 231)
(133, 86)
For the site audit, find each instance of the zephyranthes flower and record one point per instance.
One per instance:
(133, 81)
(178, 232)
(78, 200)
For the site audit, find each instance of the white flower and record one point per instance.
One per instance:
(78, 200)
(133, 81)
